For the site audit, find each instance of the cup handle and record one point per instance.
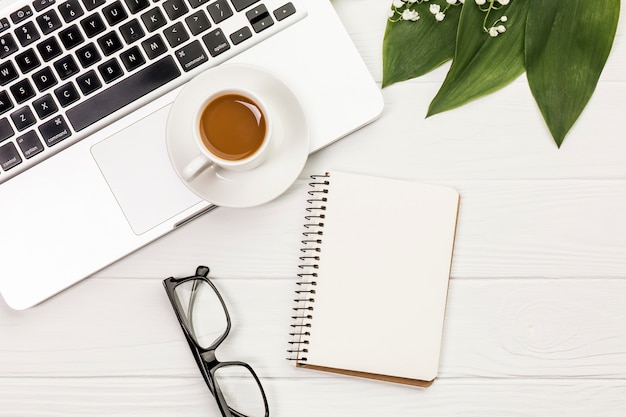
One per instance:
(195, 167)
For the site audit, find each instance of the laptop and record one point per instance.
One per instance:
(85, 90)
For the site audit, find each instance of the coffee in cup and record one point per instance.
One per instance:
(232, 131)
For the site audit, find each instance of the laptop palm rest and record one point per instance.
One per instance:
(137, 168)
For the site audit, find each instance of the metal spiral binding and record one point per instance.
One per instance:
(305, 294)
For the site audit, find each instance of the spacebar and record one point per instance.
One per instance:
(123, 93)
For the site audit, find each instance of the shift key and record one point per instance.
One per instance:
(54, 130)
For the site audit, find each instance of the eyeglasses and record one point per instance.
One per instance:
(205, 321)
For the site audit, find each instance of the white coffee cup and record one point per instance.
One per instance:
(232, 130)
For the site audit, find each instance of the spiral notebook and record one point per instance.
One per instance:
(374, 271)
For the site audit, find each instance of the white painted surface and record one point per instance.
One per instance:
(537, 301)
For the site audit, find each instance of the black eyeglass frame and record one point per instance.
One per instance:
(205, 357)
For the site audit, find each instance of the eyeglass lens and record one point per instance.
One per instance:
(241, 390)
(202, 311)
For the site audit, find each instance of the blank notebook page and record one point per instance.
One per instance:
(383, 276)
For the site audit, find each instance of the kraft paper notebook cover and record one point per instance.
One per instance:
(375, 265)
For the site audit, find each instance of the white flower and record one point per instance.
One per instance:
(504, 19)
(435, 8)
(451, 1)
(501, 29)
(409, 14)
(412, 1)
(391, 13)
(439, 17)
(503, 2)
(493, 32)
(481, 2)
(398, 3)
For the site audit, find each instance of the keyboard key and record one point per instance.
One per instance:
(7, 45)
(132, 31)
(191, 56)
(136, 6)
(27, 61)
(197, 22)
(176, 34)
(92, 4)
(45, 106)
(216, 42)
(21, 14)
(9, 156)
(88, 82)
(219, 11)
(93, 25)
(6, 131)
(154, 46)
(30, 144)
(71, 37)
(49, 21)
(88, 55)
(49, 48)
(175, 8)
(66, 94)
(8, 72)
(71, 10)
(114, 13)
(23, 118)
(39, 5)
(241, 35)
(284, 12)
(4, 24)
(153, 19)
(123, 93)
(5, 102)
(44, 79)
(259, 18)
(66, 67)
(27, 33)
(55, 130)
(242, 4)
(110, 70)
(110, 43)
(22, 91)
(132, 59)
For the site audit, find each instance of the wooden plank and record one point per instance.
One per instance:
(495, 328)
(499, 137)
(155, 397)
(515, 228)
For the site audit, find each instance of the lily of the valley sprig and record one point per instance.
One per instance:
(406, 10)
(562, 47)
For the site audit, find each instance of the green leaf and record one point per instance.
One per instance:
(411, 49)
(483, 64)
(567, 45)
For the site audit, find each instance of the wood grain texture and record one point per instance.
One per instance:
(148, 397)
(513, 228)
(537, 300)
(495, 328)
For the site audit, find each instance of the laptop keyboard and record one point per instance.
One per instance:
(68, 68)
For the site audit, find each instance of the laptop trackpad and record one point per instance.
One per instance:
(137, 168)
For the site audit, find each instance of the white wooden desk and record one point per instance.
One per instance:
(536, 319)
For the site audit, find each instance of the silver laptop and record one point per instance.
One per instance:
(85, 89)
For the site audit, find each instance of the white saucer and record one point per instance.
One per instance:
(288, 151)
